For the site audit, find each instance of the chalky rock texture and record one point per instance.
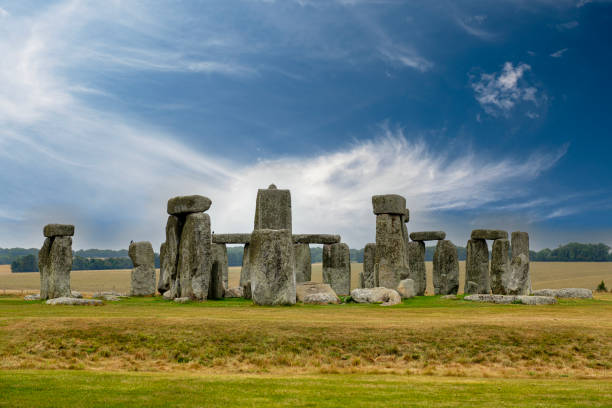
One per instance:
(195, 257)
(31, 297)
(477, 268)
(428, 236)
(188, 204)
(273, 209)
(76, 294)
(218, 272)
(578, 293)
(416, 260)
(508, 299)
(242, 238)
(236, 292)
(385, 296)
(303, 264)
(369, 277)
(520, 278)
(58, 230)
(337, 268)
(389, 204)
(182, 300)
(74, 301)
(143, 273)
(500, 266)
(489, 234)
(406, 288)
(245, 275)
(445, 269)
(316, 239)
(271, 263)
(391, 263)
(169, 280)
(55, 264)
(319, 293)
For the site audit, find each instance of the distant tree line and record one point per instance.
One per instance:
(26, 260)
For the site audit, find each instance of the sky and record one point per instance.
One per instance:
(482, 114)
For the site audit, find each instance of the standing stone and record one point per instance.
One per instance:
(303, 263)
(418, 273)
(169, 280)
(143, 273)
(195, 257)
(219, 252)
(445, 269)
(369, 256)
(161, 288)
(337, 267)
(271, 263)
(273, 209)
(390, 264)
(406, 272)
(245, 274)
(218, 272)
(520, 279)
(500, 266)
(477, 268)
(55, 264)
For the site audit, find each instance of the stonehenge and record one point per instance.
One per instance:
(55, 261)
(337, 267)
(143, 273)
(416, 261)
(391, 263)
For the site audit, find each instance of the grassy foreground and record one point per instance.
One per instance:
(94, 389)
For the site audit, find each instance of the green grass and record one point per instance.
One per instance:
(92, 389)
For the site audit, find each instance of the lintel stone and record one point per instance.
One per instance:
(58, 230)
(238, 238)
(323, 239)
(428, 236)
(188, 204)
(389, 204)
(489, 234)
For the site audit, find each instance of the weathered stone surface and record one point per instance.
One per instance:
(450, 297)
(143, 273)
(74, 301)
(416, 260)
(243, 238)
(405, 273)
(273, 209)
(31, 297)
(271, 267)
(168, 295)
(182, 300)
(316, 239)
(477, 267)
(306, 289)
(182, 205)
(168, 278)
(406, 288)
(246, 290)
(337, 267)
(320, 299)
(445, 268)
(245, 275)
(508, 299)
(517, 280)
(58, 230)
(385, 296)
(234, 292)
(76, 294)
(389, 204)
(218, 272)
(489, 234)
(500, 266)
(520, 244)
(361, 284)
(195, 257)
(55, 264)
(579, 293)
(161, 283)
(369, 257)
(428, 236)
(391, 263)
(112, 293)
(407, 215)
(303, 264)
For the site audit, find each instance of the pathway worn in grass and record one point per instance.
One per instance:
(92, 389)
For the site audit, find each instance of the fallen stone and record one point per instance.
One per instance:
(321, 290)
(416, 262)
(489, 234)
(577, 293)
(195, 257)
(182, 300)
(76, 294)
(428, 236)
(244, 238)
(143, 273)
(445, 268)
(477, 267)
(273, 209)
(31, 297)
(320, 299)
(509, 299)
(58, 230)
(182, 205)
(271, 267)
(168, 296)
(111, 298)
(406, 288)
(500, 267)
(450, 297)
(369, 256)
(391, 264)
(102, 295)
(316, 239)
(337, 267)
(303, 263)
(385, 296)
(234, 292)
(389, 204)
(74, 301)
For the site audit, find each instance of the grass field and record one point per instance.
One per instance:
(543, 274)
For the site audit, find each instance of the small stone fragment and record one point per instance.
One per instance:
(182, 205)
(234, 292)
(182, 300)
(322, 291)
(32, 297)
(74, 301)
(76, 294)
(450, 297)
(428, 236)
(320, 299)
(384, 296)
(406, 288)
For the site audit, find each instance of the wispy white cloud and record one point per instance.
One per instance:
(473, 25)
(559, 54)
(405, 57)
(3, 13)
(568, 25)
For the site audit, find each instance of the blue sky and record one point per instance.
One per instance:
(482, 114)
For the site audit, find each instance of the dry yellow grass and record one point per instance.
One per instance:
(543, 275)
